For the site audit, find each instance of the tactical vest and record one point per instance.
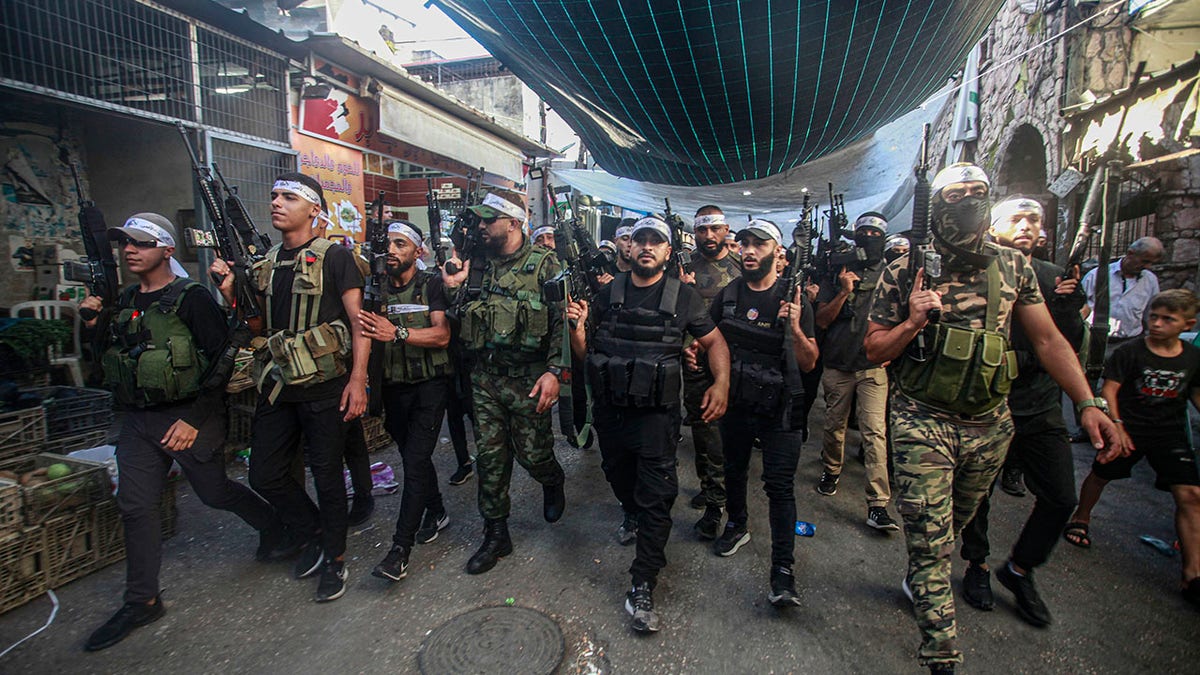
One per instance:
(635, 357)
(510, 315)
(969, 371)
(405, 363)
(759, 364)
(152, 358)
(303, 353)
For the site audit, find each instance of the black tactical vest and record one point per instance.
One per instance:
(635, 356)
(756, 376)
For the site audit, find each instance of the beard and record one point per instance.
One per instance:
(712, 249)
(400, 268)
(647, 271)
(758, 273)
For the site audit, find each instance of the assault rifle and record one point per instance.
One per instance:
(374, 294)
(254, 243)
(681, 258)
(433, 210)
(468, 244)
(922, 255)
(100, 270)
(834, 254)
(225, 236)
(799, 255)
(583, 262)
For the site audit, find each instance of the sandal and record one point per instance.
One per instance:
(1078, 530)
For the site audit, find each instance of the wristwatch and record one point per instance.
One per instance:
(401, 334)
(555, 371)
(1092, 403)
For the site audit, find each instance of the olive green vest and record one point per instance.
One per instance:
(152, 358)
(301, 353)
(510, 315)
(405, 363)
(969, 371)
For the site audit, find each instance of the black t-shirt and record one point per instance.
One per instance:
(434, 295)
(1154, 389)
(689, 308)
(759, 307)
(339, 273)
(1034, 391)
(842, 344)
(209, 326)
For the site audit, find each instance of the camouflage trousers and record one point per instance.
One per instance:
(706, 439)
(507, 427)
(944, 466)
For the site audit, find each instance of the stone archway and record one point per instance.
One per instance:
(1022, 170)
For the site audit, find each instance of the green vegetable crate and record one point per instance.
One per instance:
(47, 494)
(21, 432)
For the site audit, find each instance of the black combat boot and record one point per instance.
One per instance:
(496, 545)
(554, 502)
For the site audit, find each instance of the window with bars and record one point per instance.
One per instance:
(252, 171)
(132, 54)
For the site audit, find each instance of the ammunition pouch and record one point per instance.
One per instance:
(635, 382)
(970, 371)
(636, 353)
(319, 354)
(405, 363)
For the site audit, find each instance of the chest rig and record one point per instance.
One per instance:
(635, 359)
(405, 363)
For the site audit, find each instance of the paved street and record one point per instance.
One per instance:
(1116, 606)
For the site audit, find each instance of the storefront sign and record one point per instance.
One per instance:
(339, 170)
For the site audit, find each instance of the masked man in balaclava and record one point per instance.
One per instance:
(950, 421)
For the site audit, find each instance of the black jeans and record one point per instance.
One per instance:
(780, 454)
(456, 410)
(1041, 450)
(414, 418)
(143, 463)
(358, 459)
(275, 447)
(637, 450)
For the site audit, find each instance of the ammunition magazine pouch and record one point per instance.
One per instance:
(510, 312)
(310, 357)
(405, 363)
(636, 353)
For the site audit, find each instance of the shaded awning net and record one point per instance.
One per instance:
(699, 93)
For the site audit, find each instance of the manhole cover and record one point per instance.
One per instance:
(493, 640)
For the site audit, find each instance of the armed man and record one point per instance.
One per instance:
(416, 386)
(311, 368)
(713, 269)
(634, 367)
(544, 237)
(842, 307)
(514, 337)
(950, 422)
(162, 360)
(623, 238)
(1039, 447)
(766, 321)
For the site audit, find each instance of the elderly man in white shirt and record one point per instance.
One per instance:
(1131, 284)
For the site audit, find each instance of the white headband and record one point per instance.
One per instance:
(504, 206)
(298, 188)
(1011, 207)
(958, 173)
(711, 219)
(545, 229)
(397, 227)
(871, 221)
(623, 231)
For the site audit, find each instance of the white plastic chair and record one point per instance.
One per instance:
(57, 309)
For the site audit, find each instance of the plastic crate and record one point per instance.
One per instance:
(87, 484)
(22, 572)
(22, 432)
(74, 410)
(88, 439)
(10, 508)
(71, 546)
(110, 532)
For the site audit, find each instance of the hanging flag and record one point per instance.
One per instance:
(966, 109)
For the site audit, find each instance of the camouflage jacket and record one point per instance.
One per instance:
(713, 275)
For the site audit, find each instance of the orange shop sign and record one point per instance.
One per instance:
(339, 171)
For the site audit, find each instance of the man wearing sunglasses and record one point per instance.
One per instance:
(514, 337)
(950, 420)
(165, 334)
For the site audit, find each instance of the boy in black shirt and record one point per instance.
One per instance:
(1147, 384)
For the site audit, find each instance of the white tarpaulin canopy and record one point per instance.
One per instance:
(875, 174)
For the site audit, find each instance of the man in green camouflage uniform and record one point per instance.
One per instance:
(712, 270)
(515, 339)
(950, 422)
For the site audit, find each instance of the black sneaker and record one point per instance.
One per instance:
(941, 669)
(709, 524)
(333, 581)
(1010, 481)
(275, 543)
(699, 502)
(878, 518)
(463, 474)
(132, 615)
(734, 537)
(639, 602)
(828, 483)
(1029, 602)
(431, 524)
(977, 588)
(310, 560)
(394, 566)
(627, 532)
(361, 509)
(783, 588)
